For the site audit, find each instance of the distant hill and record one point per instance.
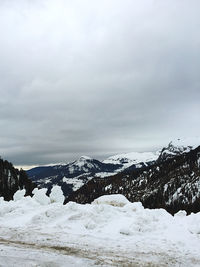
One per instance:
(12, 179)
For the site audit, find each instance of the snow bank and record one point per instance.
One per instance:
(110, 219)
(112, 214)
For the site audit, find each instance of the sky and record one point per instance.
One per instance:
(96, 78)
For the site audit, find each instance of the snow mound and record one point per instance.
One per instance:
(40, 196)
(116, 200)
(19, 195)
(180, 213)
(56, 195)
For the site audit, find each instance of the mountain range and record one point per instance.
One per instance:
(168, 178)
(171, 182)
(158, 179)
(72, 176)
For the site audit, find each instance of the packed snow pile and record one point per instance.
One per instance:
(19, 194)
(56, 195)
(116, 200)
(40, 196)
(107, 213)
(111, 224)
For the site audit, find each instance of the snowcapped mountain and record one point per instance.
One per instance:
(172, 183)
(178, 147)
(72, 176)
(12, 179)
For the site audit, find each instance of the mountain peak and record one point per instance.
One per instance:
(83, 158)
(186, 142)
(179, 146)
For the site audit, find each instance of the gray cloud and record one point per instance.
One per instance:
(96, 77)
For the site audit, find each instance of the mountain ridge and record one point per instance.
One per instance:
(73, 175)
(172, 184)
(77, 174)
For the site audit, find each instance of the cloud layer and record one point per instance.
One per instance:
(96, 77)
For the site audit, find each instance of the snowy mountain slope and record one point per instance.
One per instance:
(109, 232)
(178, 147)
(12, 179)
(72, 175)
(172, 184)
(139, 159)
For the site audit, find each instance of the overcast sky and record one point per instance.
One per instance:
(96, 77)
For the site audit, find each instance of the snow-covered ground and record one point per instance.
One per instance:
(109, 232)
(23, 255)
